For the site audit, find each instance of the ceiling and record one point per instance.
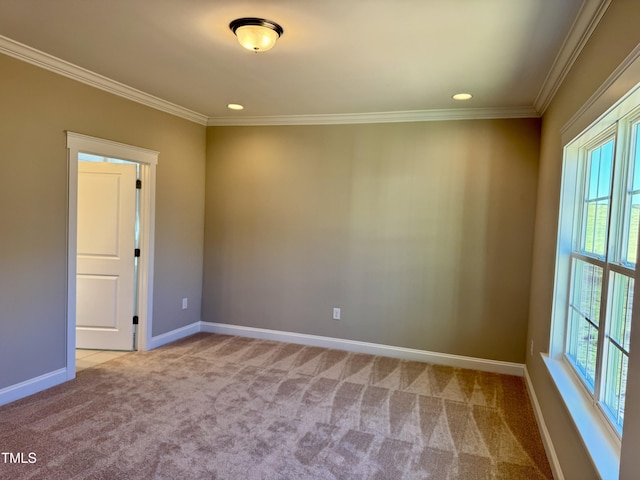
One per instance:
(337, 59)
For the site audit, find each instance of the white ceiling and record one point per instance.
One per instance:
(335, 58)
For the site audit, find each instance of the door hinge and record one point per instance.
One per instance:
(135, 319)
(138, 183)
(136, 252)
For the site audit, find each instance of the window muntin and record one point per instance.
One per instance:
(584, 317)
(621, 305)
(617, 348)
(595, 223)
(632, 219)
(606, 225)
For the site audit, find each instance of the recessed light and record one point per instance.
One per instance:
(462, 96)
(235, 106)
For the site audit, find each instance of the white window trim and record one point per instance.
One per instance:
(148, 160)
(605, 106)
(595, 431)
(597, 434)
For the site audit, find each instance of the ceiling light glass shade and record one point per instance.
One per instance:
(256, 34)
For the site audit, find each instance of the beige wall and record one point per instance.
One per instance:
(420, 232)
(36, 107)
(612, 41)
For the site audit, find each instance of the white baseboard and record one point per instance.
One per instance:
(37, 384)
(459, 361)
(48, 380)
(33, 385)
(544, 432)
(173, 335)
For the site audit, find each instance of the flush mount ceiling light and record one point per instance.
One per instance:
(462, 96)
(256, 34)
(235, 106)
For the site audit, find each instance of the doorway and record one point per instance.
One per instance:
(106, 268)
(80, 148)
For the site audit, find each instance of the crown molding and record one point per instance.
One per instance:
(49, 62)
(623, 78)
(379, 117)
(589, 16)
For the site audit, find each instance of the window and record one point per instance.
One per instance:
(598, 242)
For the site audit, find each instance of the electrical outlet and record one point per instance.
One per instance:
(336, 313)
(185, 303)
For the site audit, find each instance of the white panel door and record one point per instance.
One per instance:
(106, 242)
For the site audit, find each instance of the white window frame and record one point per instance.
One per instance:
(598, 434)
(611, 260)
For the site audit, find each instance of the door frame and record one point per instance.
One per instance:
(148, 160)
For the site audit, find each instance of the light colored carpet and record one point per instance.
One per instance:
(232, 408)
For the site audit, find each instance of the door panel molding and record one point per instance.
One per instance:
(105, 269)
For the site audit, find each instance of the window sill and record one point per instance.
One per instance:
(599, 440)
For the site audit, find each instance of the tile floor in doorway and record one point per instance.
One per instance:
(91, 358)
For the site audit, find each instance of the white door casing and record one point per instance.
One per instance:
(148, 160)
(105, 259)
